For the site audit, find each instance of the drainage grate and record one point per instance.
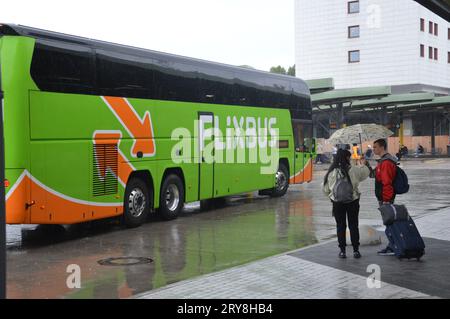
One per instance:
(125, 261)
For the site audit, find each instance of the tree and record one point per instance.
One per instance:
(278, 69)
(291, 70)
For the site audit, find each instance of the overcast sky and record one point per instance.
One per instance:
(259, 33)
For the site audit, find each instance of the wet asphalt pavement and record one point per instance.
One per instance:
(244, 229)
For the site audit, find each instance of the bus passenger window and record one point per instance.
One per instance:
(63, 67)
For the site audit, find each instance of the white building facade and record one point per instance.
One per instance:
(366, 43)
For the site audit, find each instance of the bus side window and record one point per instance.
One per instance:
(63, 67)
(124, 75)
(175, 81)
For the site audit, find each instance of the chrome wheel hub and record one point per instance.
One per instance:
(172, 197)
(136, 202)
(280, 180)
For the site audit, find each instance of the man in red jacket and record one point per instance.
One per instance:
(384, 179)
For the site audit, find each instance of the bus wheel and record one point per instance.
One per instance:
(137, 203)
(281, 181)
(171, 199)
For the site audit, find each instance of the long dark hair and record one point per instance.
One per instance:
(341, 161)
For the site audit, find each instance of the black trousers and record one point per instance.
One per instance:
(341, 213)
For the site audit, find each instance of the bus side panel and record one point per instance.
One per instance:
(15, 56)
(64, 166)
(64, 197)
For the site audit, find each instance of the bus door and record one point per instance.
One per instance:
(308, 165)
(303, 152)
(206, 155)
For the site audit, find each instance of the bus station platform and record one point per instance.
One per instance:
(316, 272)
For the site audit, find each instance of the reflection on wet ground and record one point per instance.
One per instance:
(243, 229)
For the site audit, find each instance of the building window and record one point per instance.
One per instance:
(353, 32)
(448, 57)
(353, 56)
(436, 54)
(422, 51)
(430, 27)
(436, 30)
(448, 35)
(422, 25)
(430, 53)
(353, 7)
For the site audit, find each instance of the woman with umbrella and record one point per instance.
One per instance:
(341, 187)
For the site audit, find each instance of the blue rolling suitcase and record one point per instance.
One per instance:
(405, 239)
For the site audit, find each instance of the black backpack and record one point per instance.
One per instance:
(400, 184)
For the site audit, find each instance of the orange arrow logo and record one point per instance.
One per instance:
(141, 130)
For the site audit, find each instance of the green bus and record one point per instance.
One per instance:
(96, 130)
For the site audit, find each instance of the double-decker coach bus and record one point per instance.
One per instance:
(96, 130)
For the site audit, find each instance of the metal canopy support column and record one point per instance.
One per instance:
(433, 133)
(340, 115)
(383, 116)
(400, 132)
(325, 127)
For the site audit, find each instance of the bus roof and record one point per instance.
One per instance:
(298, 86)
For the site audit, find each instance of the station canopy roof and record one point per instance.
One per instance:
(370, 98)
(440, 101)
(320, 85)
(395, 99)
(349, 95)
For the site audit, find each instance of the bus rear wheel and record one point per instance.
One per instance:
(171, 198)
(137, 203)
(281, 181)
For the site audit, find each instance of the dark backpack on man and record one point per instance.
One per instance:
(400, 183)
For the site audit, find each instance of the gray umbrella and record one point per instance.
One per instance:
(356, 134)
